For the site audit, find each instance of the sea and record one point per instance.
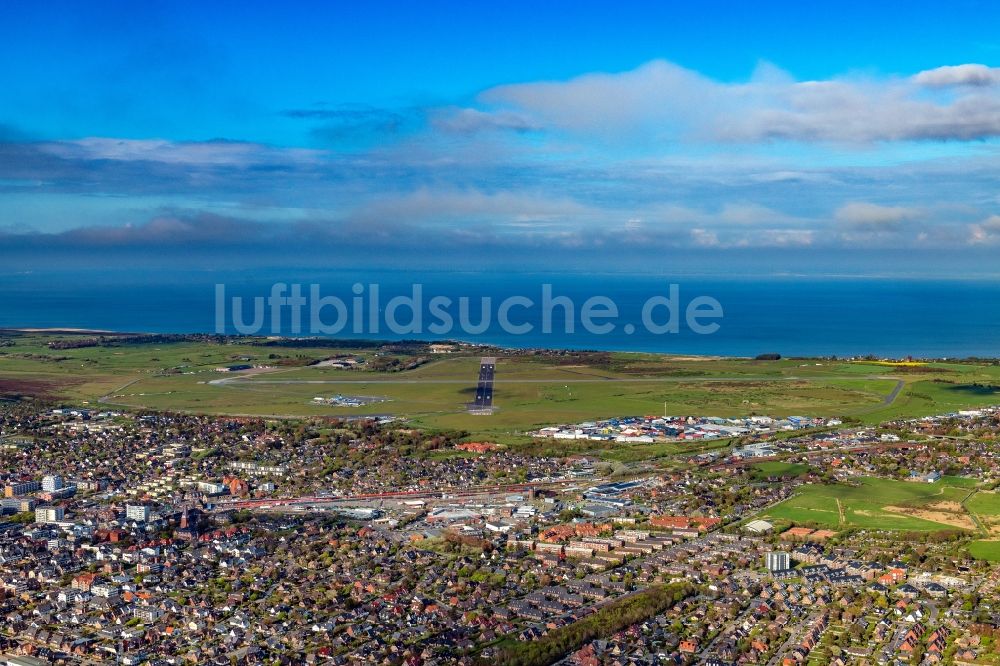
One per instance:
(791, 315)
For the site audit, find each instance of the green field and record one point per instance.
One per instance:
(530, 391)
(776, 468)
(921, 397)
(877, 504)
(985, 505)
(985, 550)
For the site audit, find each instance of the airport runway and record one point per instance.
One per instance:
(484, 389)
(515, 380)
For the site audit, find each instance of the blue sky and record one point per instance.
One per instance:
(251, 132)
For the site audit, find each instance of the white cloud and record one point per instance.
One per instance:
(959, 75)
(786, 237)
(468, 121)
(704, 238)
(655, 94)
(864, 216)
(758, 238)
(443, 207)
(661, 102)
(199, 153)
(986, 232)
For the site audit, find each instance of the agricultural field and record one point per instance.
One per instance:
(985, 550)
(877, 504)
(530, 390)
(985, 506)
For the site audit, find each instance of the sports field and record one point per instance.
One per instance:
(878, 504)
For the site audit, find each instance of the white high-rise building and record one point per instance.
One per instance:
(137, 512)
(49, 514)
(52, 483)
(777, 561)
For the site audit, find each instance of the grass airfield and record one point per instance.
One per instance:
(531, 391)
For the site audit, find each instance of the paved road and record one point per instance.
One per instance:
(107, 398)
(972, 514)
(708, 652)
(794, 638)
(889, 399)
(558, 380)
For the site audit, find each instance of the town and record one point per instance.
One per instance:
(679, 428)
(499, 333)
(165, 539)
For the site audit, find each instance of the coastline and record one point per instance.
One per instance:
(370, 341)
